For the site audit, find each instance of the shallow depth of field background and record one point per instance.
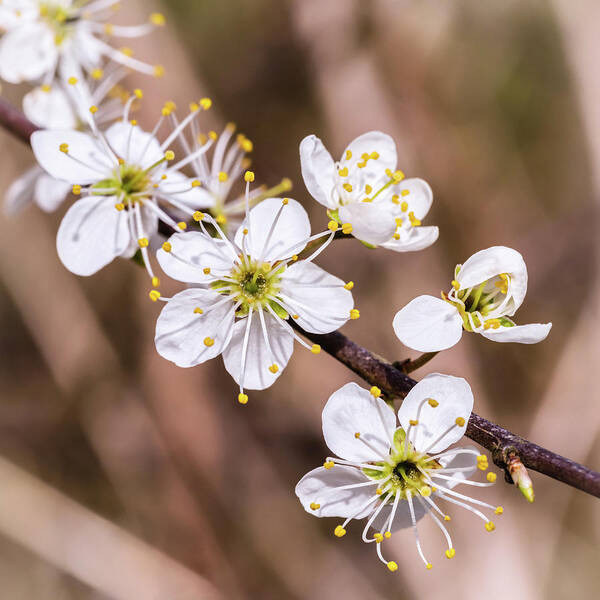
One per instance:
(496, 105)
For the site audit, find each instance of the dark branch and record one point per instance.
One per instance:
(15, 121)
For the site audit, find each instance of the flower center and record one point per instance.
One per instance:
(57, 17)
(129, 183)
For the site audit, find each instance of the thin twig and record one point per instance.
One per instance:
(13, 120)
(408, 365)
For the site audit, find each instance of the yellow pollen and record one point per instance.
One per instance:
(395, 199)
(285, 201)
(154, 295)
(482, 458)
(347, 228)
(404, 206)
(126, 51)
(314, 506)
(206, 270)
(426, 491)
(249, 176)
(343, 172)
(432, 402)
(64, 147)
(499, 510)
(347, 187)
(295, 257)
(375, 392)
(198, 311)
(155, 282)
(357, 434)
(460, 421)
(196, 183)
(413, 220)
(157, 19)
(143, 242)
(392, 566)
(328, 464)
(349, 285)
(273, 368)
(482, 466)
(332, 226)
(93, 109)
(221, 219)
(405, 192)
(208, 341)
(354, 314)
(198, 216)
(72, 80)
(379, 491)
(374, 155)
(348, 154)
(76, 190)
(387, 535)
(97, 73)
(378, 537)
(134, 122)
(169, 155)
(316, 349)
(399, 222)
(450, 553)
(429, 566)
(182, 225)
(159, 71)
(368, 189)
(242, 398)
(396, 236)
(45, 88)
(447, 518)
(491, 477)
(339, 531)
(121, 161)
(245, 231)
(413, 422)
(398, 176)
(455, 285)
(167, 247)
(223, 177)
(205, 103)
(295, 316)
(138, 93)
(490, 526)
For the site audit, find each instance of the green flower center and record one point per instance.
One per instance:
(58, 17)
(129, 183)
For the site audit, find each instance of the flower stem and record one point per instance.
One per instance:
(408, 366)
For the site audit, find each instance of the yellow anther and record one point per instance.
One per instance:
(361, 165)
(396, 236)
(167, 247)
(339, 531)
(399, 222)
(332, 226)
(398, 176)
(286, 184)
(499, 510)
(196, 183)
(316, 349)
(348, 154)
(273, 368)
(490, 526)
(387, 535)
(482, 466)
(392, 566)
(365, 156)
(208, 341)
(295, 316)
(389, 173)
(347, 187)
(159, 71)
(245, 231)
(169, 155)
(93, 109)
(425, 491)
(355, 314)
(182, 225)
(405, 192)
(64, 147)
(76, 190)
(450, 553)
(378, 537)
(154, 295)
(213, 135)
(249, 176)
(413, 422)
(72, 80)
(374, 155)
(460, 421)
(285, 201)
(198, 216)
(45, 87)
(108, 29)
(198, 311)
(155, 282)
(295, 257)
(223, 177)
(413, 220)
(379, 491)
(429, 566)
(120, 161)
(143, 242)
(120, 206)
(368, 189)
(347, 228)
(242, 398)
(455, 285)
(126, 51)
(138, 93)
(343, 172)
(482, 458)
(165, 111)
(205, 103)
(314, 506)
(97, 73)
(404, 206)
(134, 122)
(491, 477)
(357, 435)
(349, 285)
(432, 402)
(206, 270)
(328, 464)
(367, 199)
(396, 199)
(375, 392)
(447, 518)
(157, 19)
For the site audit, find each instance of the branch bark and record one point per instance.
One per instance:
(396, 384)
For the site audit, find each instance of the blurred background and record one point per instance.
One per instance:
(123, 476)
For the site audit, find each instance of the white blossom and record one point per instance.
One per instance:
(366, 193)
(393, 476)
(486, 291)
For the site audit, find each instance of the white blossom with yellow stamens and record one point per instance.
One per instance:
(125, 183)
(364, 192)
(486, 291)
(393, 476)
(250, 288)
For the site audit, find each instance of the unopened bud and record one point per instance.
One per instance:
(520, 476)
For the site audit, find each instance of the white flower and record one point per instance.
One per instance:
(250, 287)
(125, 183)
(65, 36)
(365, 192)
(486, 291)
(393, 476)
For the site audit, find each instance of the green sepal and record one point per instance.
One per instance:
(367, 245)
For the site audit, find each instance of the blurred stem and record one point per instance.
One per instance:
(408, 366)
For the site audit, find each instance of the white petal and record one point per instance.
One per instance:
(181, 334)
(523, 334)
(489, 263)
(133, 144)
(49, 109)
(50, 193)
(419, 197)
(27, 53)
(319, 486)
(287, 238)
(455, 400)
(459, 461)
(428, 324)
(20, 191)
(416, 238)
(352, 410)
(191, 253)
(83, 148)
(92, 234)
(194, 197)
(256, 374)
(373, 141)
(372, 222)
(320, 300)
(402, 518)
(10, 18)
(318, 171)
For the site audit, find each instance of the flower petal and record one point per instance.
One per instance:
(419, 197)
(85, 162)
(372, 222)
(320, 299)
(416, 238)
(455, 401)
(257, 375)
(368, 143)
(459, 461)
(489, 263)
(318, 171)
(287, 238)
(50, 193)
(523, 334)
(49, 109)
(319, 486)
(182, 334)
(191, 252)
(27, 53)
(20, 191)
(134, 145)
(92, 234)
(193, 197)
(402, 518)
(428, 324)
(352, 410)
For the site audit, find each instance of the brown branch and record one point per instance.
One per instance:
(500, 442)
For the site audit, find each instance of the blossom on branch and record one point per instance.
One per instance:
(365, 193)
(393, 476)
(249, 289)
(486, 291)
